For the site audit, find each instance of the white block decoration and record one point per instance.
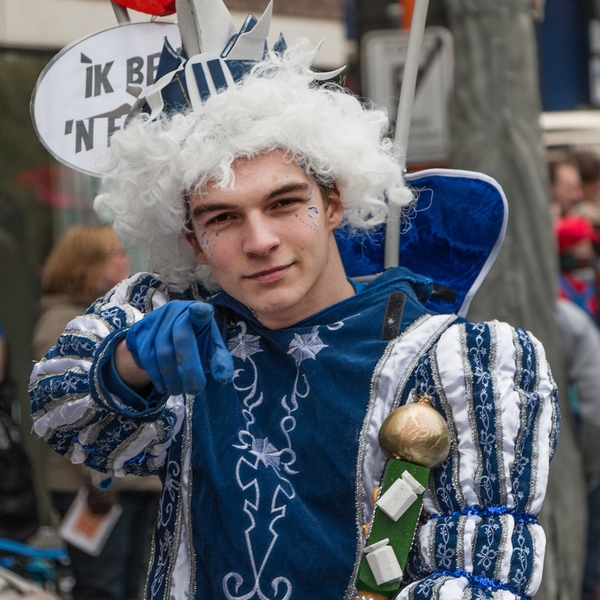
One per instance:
(383, 562)
(399, 496)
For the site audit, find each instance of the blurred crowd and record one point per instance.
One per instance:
(85, 263)
(575, 185)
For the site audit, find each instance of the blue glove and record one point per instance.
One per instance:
(176, 344)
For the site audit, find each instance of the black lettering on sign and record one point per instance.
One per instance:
(88, 74)
(101, 79)
(134, 70)
(84, 135)
(152, 67)
(89, 81)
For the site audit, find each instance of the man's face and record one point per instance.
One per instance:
(567, 189)
(269, 240)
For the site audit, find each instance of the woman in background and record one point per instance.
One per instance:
(85, 263)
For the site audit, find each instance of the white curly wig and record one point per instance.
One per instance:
(338, 140)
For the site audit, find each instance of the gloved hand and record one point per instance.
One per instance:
(176, 344)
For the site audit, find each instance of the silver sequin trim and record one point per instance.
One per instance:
(129, 316)
(502, 548)
(431, 546)
(97, 428)
(187, 447)
(121, 448)
(536, 434)
(435, 592)
(426, 347)
(56, 403)
(176, 541)
(163, 288)
(460, 541)
(453, 433)
(522, 396)
(68, 429)
(498, 412)
(464, 352)
(74, 369)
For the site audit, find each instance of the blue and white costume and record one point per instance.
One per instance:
(275, 470)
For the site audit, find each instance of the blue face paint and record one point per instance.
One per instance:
(204, 241)
(313, 212)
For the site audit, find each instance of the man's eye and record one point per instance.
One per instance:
(285, 202)
(219, 219)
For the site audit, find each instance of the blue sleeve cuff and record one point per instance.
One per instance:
(109, 390)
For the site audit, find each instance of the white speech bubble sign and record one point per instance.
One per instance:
(81, 96)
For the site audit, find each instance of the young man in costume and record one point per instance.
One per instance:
(259, 401)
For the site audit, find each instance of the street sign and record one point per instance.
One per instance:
(384, 56)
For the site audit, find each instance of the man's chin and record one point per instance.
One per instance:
(276, 313)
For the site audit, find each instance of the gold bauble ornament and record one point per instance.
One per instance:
(416, 433)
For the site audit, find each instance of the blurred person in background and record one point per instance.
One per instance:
(18, 505)
(589, 171)
(3, 355)
(85, 263)
(577, 240)
(581, 349)
(565, 183)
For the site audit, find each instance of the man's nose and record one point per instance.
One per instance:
(260, 236)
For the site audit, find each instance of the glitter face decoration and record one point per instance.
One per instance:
(310, 219)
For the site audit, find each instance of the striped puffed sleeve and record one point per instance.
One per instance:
(482, 538)
(105, 426)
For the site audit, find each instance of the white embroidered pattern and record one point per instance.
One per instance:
(259, 451)
(166, 516)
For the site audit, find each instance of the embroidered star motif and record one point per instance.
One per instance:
(244, 345)
(266, 452)
(306, 345)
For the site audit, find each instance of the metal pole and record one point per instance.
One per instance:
(405, 107)
(121, 13)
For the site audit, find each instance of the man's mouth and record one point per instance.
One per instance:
(269, 275)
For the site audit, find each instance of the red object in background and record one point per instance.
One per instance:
(45, 182)
(159, 8)
(572, 229)
(407, 7)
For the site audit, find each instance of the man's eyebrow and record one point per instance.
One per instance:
(206, 208)
(284, 189)
(300, 186)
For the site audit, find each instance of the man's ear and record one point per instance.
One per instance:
(335, 208)
(190, 238)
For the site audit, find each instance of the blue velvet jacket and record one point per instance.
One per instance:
(268, 479)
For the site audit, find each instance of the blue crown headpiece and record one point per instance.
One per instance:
(187, 78)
